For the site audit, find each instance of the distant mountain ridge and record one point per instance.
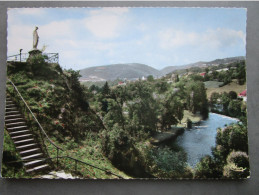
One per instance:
(136, 70)
(115, 71)
(170, 69)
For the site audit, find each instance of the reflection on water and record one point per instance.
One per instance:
(197, 142)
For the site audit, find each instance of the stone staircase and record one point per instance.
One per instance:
(29, 150)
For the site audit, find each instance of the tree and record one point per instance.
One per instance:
(214, 100)
(162, 86)
(234, 108)
(215, 74)
(232, 95)
(172, 111)
(177, 78)
(114, 115)
(197, 98)
(143, 108)
(92, 88)
(207, 168)
(150, 78)
(106, 89)
(225, 102)
(241, 73)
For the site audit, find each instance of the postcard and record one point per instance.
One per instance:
(126, 93)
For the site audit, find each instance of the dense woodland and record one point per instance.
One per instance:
(112, 125)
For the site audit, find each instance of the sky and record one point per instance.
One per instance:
(158, 37)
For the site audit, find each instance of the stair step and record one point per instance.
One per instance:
(10, 105)
(11, 108)
(16, 128)
(17, 123)
(21, 136)
(29, 151)
(9, 102)
(26, 146)
(31, 156)
(23, 141)
(13, 119)
(37, 168)
(34, 162)
(19, 132)
(11, 116)
(12, 112)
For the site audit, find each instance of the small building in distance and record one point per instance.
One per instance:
(242, 95)
(203, 74)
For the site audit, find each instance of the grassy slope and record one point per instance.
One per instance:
(88, 151)
(233, 86)
(46, 97)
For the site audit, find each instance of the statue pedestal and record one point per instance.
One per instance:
(34, 53)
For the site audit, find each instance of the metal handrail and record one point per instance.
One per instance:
(104, 170)
(57, 147)
(22, 57)
(41, 128)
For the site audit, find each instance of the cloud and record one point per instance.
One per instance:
(106, 23)
(28, 11)
(16, 15)
(223, 38)
(60, 29)
(211, 39)
(19, 12)
(19, 36)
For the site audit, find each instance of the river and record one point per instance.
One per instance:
(197, 142)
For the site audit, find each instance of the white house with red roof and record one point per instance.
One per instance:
(243, 95)
(203, 74)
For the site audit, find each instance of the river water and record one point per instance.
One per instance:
(197, 142)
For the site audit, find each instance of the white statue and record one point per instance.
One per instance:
(35, 38)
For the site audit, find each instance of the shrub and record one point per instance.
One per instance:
(237, 165)
(234, 108)
(239, 158)
(207, 168)
(166, 163)
(232, 95)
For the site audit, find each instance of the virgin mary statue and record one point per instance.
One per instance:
(35, 38)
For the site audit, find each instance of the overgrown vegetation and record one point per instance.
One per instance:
(12, 165)
(110, 126)
(134, 112)
(230, 156)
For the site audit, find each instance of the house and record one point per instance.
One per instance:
(242, 95)
(203, 74)
(121, 83)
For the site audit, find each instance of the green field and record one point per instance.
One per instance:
(233, 86)
(212, 84)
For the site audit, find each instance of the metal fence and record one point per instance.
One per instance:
(22, 57)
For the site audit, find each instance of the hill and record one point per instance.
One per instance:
(60, 104)
(115, 71)
(201, 64)
(233, 86)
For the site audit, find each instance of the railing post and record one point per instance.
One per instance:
(57, 157)
(75, 165)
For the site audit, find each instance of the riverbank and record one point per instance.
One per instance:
(225, 116)
(195, 118)
(174, 132)
(198, 141)
(167, 136)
